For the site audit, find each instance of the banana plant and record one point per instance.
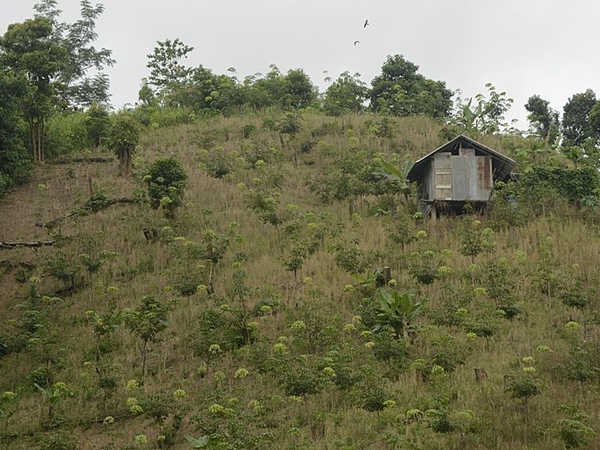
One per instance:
(471, 117)
(201, 442)
(52, 395)
(399, 176)
(398, 311)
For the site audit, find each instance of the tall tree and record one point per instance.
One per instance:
(173, 83)
(542, 118)
(345, 95)
(123, 139)
(146, 95)
(576, 126)
(167, 71)
(205, 91)
(293, 90)
(97, 124)
(595, 122)
(298, 90)
(14, 160)
(81, 81)
(263, 91)
(401, 91)
(27, 48)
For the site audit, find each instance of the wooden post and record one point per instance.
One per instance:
(387, 275)
(480, 375)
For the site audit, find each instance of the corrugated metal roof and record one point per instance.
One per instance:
(502, 164)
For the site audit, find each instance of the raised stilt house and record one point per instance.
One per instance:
(459, 172)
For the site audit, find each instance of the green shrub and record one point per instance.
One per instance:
(578, 185)
(166, 181)
(97, 124)
(124, 137)
(66, 134)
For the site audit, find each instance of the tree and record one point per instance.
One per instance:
(147, 322)
(294, 90)
(298, 90)
(263, 91)
(488, 116)
(401, 91)
(178, 85)
(474, 240)
(55, 58)
(166, 182)
(146, 94)
(594, 120)
(345, 95)
(27, 49)
(167, 72)
(14, 161)
(74, 84)
(124, 137)
(542, 118)
(576, 126)
(97, 124)
(524, 385)
(204, 91)
(572, 429)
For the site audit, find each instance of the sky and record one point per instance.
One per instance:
(549, 48)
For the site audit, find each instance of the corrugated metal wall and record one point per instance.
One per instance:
(461, 177)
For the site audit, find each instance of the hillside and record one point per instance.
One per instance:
(253, 317)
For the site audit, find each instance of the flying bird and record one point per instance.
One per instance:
(356, 42)
(366, 23)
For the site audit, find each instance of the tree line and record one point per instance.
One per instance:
(51, 69)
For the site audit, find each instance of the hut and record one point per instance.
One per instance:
(459, 172)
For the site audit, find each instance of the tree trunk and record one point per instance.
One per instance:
(144, 351)
(480, 375)
(127, 163)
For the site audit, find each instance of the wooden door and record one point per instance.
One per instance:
(442, 176)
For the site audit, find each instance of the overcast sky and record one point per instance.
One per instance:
(524, 47)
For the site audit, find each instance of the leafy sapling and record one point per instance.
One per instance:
(147, 322)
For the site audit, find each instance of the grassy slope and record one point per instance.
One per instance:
(255, 410)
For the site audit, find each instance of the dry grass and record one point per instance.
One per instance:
(333, 418)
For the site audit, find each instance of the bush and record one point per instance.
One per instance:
(97, 124)
(578, 185)
(166, 181)
(124, 137)
(66, 134)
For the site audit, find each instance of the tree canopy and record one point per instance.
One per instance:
(401, 91)
(27, 49)
(13, 155)
(347, 94)
(62, 68)
(576, 125)
(80, 81)
(543, 119)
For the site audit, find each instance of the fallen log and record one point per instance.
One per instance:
(54, 222)
(92, 159)
(32, 244)
(114, 201)
(89, 207)
(6, 264)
